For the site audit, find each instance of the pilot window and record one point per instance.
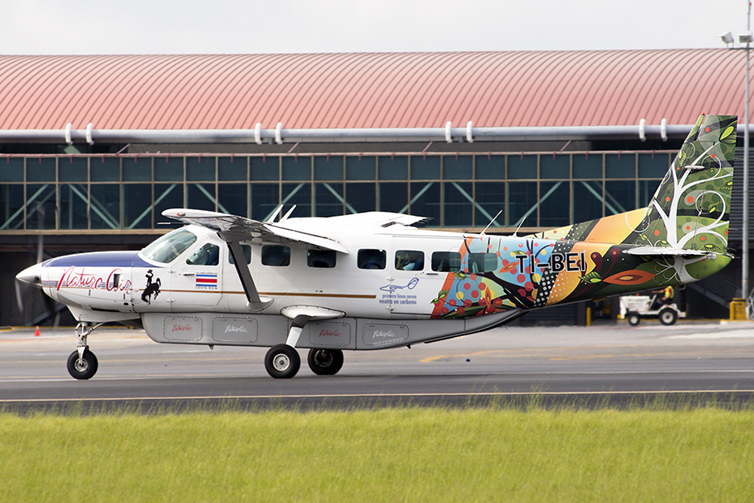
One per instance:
(320, 258)
(246, 249)
(371, 259)
(168, 247)
(409, 260)
(482, 262)
(446, 261)
(208, 254)
(276, 255)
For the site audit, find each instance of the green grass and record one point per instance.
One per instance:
(390, 454)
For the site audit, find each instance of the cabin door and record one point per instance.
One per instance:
(196, 279)
(413, 284)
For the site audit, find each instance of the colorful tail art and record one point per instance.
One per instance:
(681, 237)
(690, 209)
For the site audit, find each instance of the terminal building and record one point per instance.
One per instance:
(94, 148)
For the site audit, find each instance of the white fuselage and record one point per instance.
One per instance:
(468, 283)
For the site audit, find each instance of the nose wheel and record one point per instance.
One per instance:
(82, 364)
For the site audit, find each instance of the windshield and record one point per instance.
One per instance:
(168, 247)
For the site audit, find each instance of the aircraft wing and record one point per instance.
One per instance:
(242, 227)
(658, 251)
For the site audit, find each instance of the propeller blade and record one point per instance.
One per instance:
(19, 296)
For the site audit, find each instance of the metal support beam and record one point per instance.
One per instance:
(280, 135)
(255, 302)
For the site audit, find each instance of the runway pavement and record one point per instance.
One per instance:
(614, 364)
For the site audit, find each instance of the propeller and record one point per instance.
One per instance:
(32, 276)
(19, 296)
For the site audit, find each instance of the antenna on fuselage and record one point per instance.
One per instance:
(285, 217)
(274, 215)
(520, 223)
(491, 222)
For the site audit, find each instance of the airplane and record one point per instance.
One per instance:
(374, 281)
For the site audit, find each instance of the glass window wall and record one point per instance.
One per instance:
(457, 191)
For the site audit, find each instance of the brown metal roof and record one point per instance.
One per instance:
(374, 90)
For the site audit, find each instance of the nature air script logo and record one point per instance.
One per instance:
(382, 334)
(112, 282)
(329, 333)
(177, 327)
(233, 328)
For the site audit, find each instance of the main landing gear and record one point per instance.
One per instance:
(82, 364)
(325, 362)
(283, 362)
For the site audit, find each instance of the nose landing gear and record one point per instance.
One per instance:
(82, 364)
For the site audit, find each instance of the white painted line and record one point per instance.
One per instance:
(679, 326)
(381, 395)
(718, 334)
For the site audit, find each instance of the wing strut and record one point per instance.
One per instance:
(254, 301)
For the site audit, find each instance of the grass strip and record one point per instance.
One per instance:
(389, 454)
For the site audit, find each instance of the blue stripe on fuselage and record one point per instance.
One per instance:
(100, 259)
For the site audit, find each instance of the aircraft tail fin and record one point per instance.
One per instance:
(691, 207)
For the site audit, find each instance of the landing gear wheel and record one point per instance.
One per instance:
(325, 362)
(633, 319)
(282, 361)
(668, 316)
(83, 368)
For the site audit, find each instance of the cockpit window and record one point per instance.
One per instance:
(168, 247)
(208, 254)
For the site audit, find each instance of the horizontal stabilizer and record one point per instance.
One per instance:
(246, 228)
(657, 251)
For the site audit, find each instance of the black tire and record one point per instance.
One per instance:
(325, 362)
(668, 316)
(282, 361)
(633, 319)
(84, 369)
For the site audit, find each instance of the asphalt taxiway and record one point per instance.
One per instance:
(598, 364)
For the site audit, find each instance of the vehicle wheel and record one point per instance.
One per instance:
(282, 361)
(84, 368)
(633, 319)
(668, 316)
(325, 362)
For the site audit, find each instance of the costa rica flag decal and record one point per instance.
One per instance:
(206, 281)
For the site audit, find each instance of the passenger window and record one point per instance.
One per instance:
(208, 254)
(246, 249)
(482, 262)
(276, 255)
(320, 258)
(409, 260)
(371, 259)
(446, 261)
